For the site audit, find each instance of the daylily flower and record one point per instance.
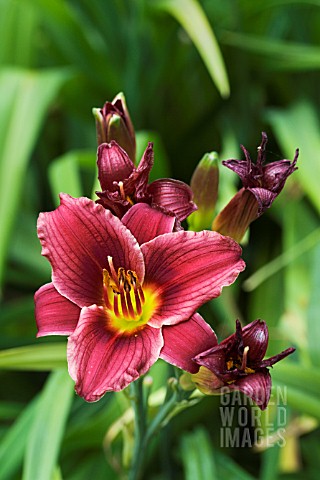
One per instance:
(124, 185)
(115, 284)
(264, 181)
(261, 185)
(237, 364)
(113, 122)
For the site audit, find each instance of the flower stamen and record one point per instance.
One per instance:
(244, 358)
(115, 305)
(130, 306)
(122, 192)
(128, 296)
(106, 284)
(112, 269)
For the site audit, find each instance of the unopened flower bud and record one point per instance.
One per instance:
(261, 182)
(204, 184)
(113, 122)
(148, 381)
(186, 382)
(173, 383)
(237, 215)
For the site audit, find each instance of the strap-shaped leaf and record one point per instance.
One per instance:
(47, 430)
(41, 357)
(193, 19)
(26, 97)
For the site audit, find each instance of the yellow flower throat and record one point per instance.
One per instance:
(128, 305)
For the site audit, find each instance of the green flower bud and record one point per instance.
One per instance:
(204, 184)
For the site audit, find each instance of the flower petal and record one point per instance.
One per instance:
(77, 239)
(114, 165)
(186, 269)
(256, 386)
(276, 358)
(101, 359)
(136, 184)
(264, 181)
(55, 314)
(215, 359)
(264, 198)
(237, 215)
(207, 382)
(173, 195)
(114, 202)
(185, 340)
(276, 173)
(146, 223)
(243, 168)
(256, 336)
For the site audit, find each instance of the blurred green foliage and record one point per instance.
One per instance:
(176, 61)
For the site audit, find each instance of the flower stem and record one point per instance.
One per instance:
(160, 417)
(144, 433)
(139, 409)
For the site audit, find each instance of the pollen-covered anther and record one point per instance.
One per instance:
(230, 364)
(125, 291)
(122, 192)
(244, 358)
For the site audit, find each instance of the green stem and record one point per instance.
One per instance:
(143, 435)
(160, 417)
(138, 406)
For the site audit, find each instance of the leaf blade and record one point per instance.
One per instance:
(192, 18)
(47, 430)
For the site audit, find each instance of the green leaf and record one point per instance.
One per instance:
(228, 469)
(57, 475)
(270, 463)
(64, 176)
(298, 219)
(295, 127)
(302, 401)
(26, 98)
(42, 357)
(297, 376)
(25, 253)
(9, 410)
(13, 443)
(201, 462)
(279, 54)
(17, 26)
(65, 173)
(302, 386)
(313, 311)
(198, 462)
(47, 430)
(77, 44)
(192, 18)
(282, 261)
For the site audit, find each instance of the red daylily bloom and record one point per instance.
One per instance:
(124, 185)
(261, 185)
(264, 181)
(113, 295)
(237, 364)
